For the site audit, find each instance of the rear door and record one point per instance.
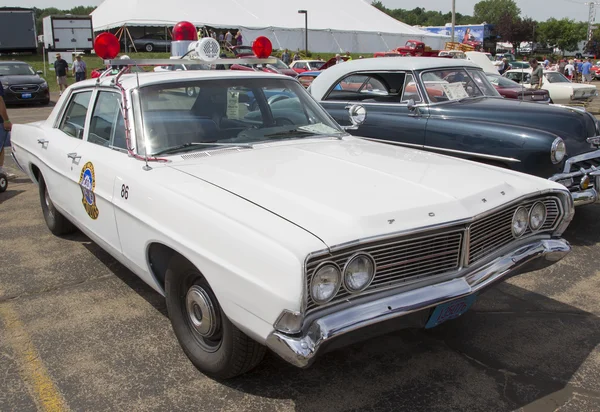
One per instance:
(395, 112)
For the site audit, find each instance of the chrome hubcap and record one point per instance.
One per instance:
(201, 312)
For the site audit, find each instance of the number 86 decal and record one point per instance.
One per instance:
(125, 192)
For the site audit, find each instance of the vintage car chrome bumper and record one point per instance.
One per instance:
(301, 349)
(584, 195)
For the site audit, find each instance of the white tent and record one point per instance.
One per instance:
(333, 25)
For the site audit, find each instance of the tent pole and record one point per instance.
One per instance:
(453, 18)
(131, 40)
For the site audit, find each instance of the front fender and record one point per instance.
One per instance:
(519, 148)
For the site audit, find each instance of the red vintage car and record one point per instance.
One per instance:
(513, 90)
(278, 67)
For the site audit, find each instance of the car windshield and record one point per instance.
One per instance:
(454, 84)
(556, 77)
(500, 81)
(16, 69)
(316, 65)
(206, 114)
(280, 65)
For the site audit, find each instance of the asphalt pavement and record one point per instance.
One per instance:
(80, 332)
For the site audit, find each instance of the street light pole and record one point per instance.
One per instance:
(453, 18)
(305, 12)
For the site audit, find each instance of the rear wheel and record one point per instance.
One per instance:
(56, 222)
(3, 182)
(208, 338)
(149, 47)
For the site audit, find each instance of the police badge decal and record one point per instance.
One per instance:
(87, 182)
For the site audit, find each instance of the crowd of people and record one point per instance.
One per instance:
(576, 70)
(225, 38)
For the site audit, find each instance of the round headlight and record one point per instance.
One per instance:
(537, 216)
(519, 222)
(359, 273)
(325, 283)
(559, 150)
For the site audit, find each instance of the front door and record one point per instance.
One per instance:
(393, 104)
(95, 168)
(60, 145)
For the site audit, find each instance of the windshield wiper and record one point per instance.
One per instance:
(290, 132)
(175, 149)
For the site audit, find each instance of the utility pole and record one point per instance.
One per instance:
(453, 18)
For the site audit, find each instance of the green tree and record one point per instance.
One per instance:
(492, 11)
(564, 33)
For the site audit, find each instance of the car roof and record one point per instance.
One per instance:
(131, 81)
(12, 62)
(324, 81)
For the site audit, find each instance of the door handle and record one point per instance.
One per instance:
(43, 142)
(73, 156)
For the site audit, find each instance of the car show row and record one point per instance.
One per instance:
(298, 216)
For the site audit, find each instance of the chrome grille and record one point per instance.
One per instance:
(494, 232)
(585, 164)
(399, 260)
(24, 88)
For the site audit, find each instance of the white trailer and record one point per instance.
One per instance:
(68, 33)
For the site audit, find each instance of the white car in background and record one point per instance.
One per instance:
(301, 66)
(267, 225)
(562, 90)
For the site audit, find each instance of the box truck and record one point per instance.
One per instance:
(68, 33)
(17, 30)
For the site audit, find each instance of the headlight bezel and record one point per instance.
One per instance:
(44, 85)
(530, 222)
(512, 226)
(556, 144)
(371, 277)
(314, 276)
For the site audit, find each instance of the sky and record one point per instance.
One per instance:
(536, 9)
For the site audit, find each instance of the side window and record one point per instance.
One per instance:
(410, 90)
(73, 121)
(107, 127)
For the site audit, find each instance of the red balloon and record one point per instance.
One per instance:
(262, 47)
(184, 30)
(107, 46)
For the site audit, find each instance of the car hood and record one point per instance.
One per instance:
(343, 190)
(572, 124)
(26, 79)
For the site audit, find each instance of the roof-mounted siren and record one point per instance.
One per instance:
(262, 47)
(184, 34)
(107, 46)
(207, 49)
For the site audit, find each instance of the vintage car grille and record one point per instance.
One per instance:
(401, 260)
(585, 164)
(24, 88)
(406, 259)
(493, 232)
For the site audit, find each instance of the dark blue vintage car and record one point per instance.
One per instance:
(449, 106)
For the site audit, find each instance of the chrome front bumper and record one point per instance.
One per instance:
(582, 196)
(301, 350)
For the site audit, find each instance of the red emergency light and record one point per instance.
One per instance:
(184, 30)
(262, 47)
(107, 46)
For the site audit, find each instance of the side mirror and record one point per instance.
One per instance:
(357, 115)
(39, 72)
(411, 105)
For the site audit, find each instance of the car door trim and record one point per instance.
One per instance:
(417, 146)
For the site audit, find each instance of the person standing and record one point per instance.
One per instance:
(79, 69)
(238, 38)
(228, 38)
(60, 68)
(348, 56)
(285, 57)
(5, 127)
(561, 65)
(586, 71)
(570, 70)
(537, 75)
(579, 71)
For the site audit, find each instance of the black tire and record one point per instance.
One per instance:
(56, 222)
(3, 182)
(190, 91)
(45, 102)
(222, 351)
(149, 47)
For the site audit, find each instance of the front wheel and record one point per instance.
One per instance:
(56, 222)
(149, 47)
(3, 182)
(208, 338)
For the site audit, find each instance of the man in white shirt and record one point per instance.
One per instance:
(570, 70)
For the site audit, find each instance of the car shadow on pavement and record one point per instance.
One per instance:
(9, 194)
(584, 230)
(504, 354)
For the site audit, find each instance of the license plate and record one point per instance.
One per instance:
(450, 310)
(26, 96)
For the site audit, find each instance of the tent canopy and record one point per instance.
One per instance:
(334, 25)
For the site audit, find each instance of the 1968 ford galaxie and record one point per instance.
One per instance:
(449, 106)
(268, 227)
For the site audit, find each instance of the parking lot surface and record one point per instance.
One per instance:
(78, 331)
